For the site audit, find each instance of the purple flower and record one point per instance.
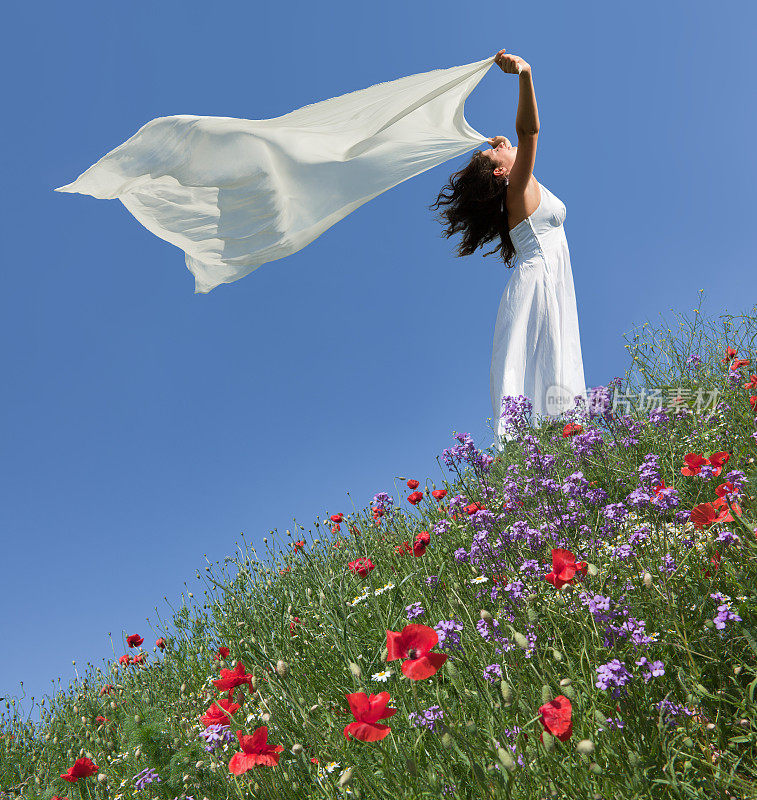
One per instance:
(493, 673)
(145, 777)
(612, 675)
(652, 669)
(671, 711)
(426, 719)
(448, 631)
(725, 613)
(414, 611)
(216, 735)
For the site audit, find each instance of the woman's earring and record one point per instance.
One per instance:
(507, 179)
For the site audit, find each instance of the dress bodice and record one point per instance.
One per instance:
(542, 229)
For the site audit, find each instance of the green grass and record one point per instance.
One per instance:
(646, 594)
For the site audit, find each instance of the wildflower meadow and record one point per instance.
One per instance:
(572, 617)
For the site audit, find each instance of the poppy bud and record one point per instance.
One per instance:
(297, 748)
(265, 717)
(585, 747)
(546, 694)
(600, 717)
(595, 768)
(346, 778)
(506, 691)
(282, 668)
(199, 765)
(548, 741)
(446, 740)
(522, 642)
(412, 767)
(556, 654)
(322, 597)
(309, 593)
(647, 580)
(471, 725)
(355, 670)
(505, 759)
(102, 778)
(592, 570)
(486, 617)
(566, 682)
(384, 654)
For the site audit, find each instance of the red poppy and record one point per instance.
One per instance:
(355, 530)
(415, 498)
(223, 652)
(414, 643)
(694, 464)
(421, 542)
(738, 363)
(660, 487)
(753, 402)
(721, 491)
(472, 508)
(439, 494)
(564, 568)
(715, 561)
(413, 484)
(367, 712)
(403, 548)
(284, 571)
(751, 383)
(161, 643)
(362, 566)
(135, 640)
(292, 624)
(556, 717)
(571, 429)
(221, 710)
(314, 761)
(82, 768)
(706, 514)
(337, 517)
(231, 678)
(138, 659)
(719, 460)
(336, 528)
(378, 512)
(107, 689)
(729, 354)
(101, 720)
(125, 659)
(256, 752)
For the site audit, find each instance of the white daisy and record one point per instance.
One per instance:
(382, 676)
(480, 579)
(383, 589)
(331, 766)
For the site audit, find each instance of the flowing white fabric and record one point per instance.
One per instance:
(236, 193)
(537, 346)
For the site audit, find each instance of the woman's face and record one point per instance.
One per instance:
(502, 157)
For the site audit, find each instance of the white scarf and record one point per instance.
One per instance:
(234, 194)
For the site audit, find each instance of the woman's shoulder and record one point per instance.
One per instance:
(522, 205)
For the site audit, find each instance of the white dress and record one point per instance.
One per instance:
(537, 347)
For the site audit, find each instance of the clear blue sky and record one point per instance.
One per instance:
(144, 426)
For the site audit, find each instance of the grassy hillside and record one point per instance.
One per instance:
(573, 618)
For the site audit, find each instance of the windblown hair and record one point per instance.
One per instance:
(475, 204)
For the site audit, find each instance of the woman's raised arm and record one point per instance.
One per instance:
(526, 121)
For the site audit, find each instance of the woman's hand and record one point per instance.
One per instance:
(510, 63)
(497, 140)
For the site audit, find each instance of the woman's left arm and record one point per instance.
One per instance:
(527, 129)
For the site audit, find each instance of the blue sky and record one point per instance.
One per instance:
(144, 426)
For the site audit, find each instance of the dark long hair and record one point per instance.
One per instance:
(474, 206)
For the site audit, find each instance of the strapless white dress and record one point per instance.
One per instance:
(537, 347)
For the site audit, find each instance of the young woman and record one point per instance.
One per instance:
(537, 348)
